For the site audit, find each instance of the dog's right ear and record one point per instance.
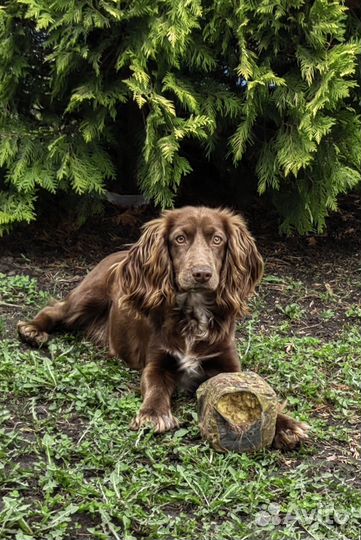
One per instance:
(145, 276)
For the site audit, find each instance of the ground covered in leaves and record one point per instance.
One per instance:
(71, 469)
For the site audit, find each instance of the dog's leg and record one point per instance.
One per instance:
(86, 305)
(289, 432)
(158, 383)
(36, 332)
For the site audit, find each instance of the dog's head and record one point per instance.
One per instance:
(191, 249)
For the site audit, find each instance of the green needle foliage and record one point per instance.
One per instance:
(92, 91)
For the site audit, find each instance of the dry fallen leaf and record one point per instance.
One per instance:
(329, 289)
(312, 242)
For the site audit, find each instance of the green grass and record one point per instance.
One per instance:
(70, 468)
(21, 290)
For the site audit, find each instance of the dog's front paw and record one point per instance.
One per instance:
(289, 433)
(159, 422)
(29, 333)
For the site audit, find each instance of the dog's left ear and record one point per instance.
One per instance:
(145, 277)
(242, 267)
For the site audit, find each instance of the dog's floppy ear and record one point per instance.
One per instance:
(242, 268)
(145, 277)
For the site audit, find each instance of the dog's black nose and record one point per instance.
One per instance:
(201, 274)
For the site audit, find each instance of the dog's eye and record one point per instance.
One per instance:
(180, 239)
(217, 240)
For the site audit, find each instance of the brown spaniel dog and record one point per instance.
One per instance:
(168, 306)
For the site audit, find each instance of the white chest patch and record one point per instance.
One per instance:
(188, 362)
(190, 368)
(196, 309)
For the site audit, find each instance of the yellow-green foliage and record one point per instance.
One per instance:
(274, 81)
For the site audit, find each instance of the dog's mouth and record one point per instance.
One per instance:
(200, 287)
(197, 288)
(207, 293)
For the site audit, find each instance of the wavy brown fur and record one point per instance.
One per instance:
(145, 277)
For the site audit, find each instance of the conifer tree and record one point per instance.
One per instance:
(87, 84)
